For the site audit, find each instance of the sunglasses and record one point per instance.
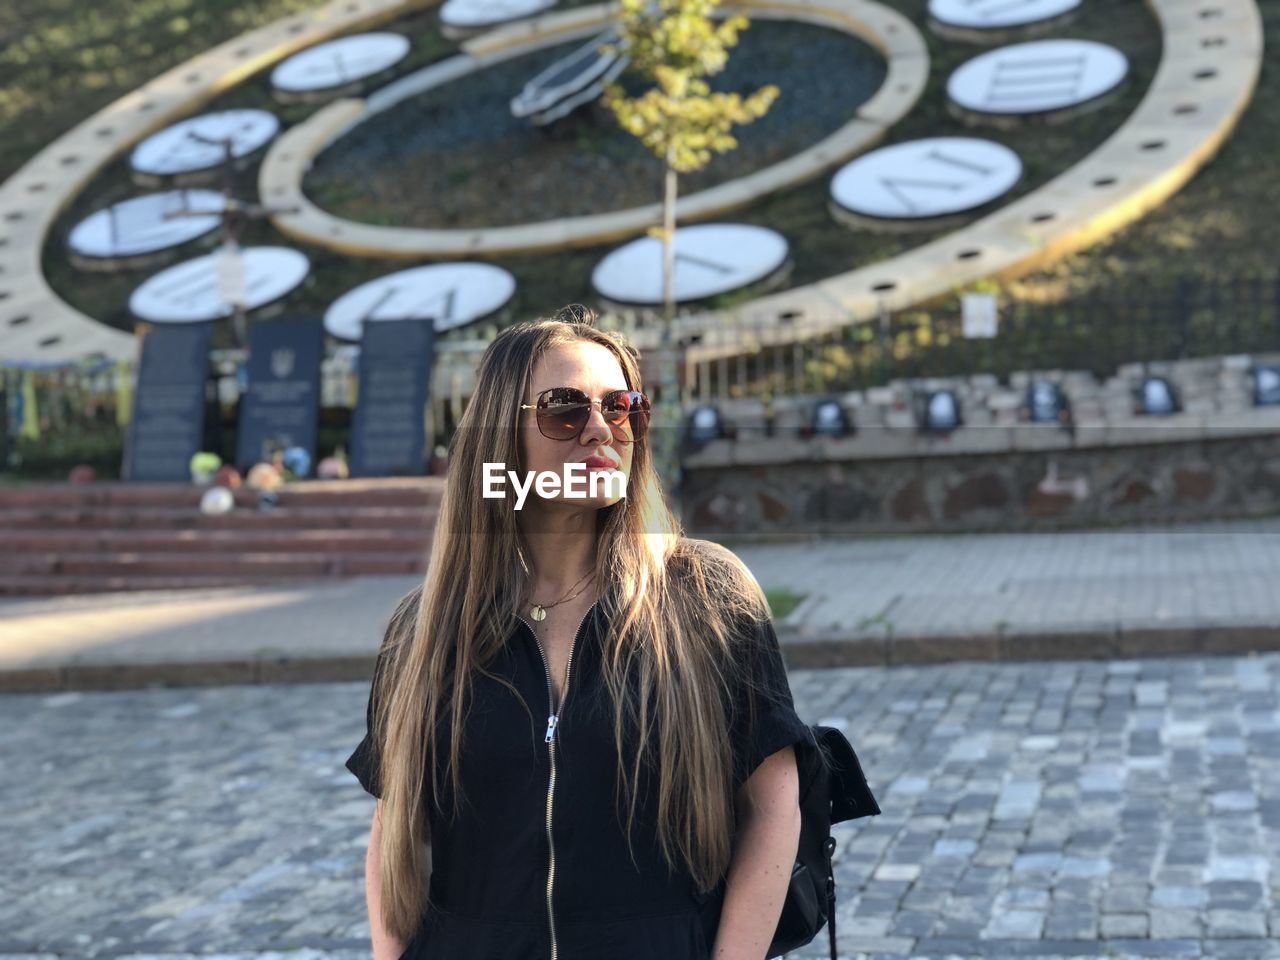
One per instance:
(563, 412)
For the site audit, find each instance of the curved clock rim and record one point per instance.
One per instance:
(281, 175)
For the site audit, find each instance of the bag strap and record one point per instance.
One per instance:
(829, 847)
(851, 799)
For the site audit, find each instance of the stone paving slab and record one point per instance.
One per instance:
(1075, 808)
(1216, 575)
(1203, 590)
(337, 616)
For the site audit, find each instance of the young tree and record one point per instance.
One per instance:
(675, 44)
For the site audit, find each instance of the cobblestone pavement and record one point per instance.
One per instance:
(1053, 809)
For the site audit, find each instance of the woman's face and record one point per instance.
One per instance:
(594, 370)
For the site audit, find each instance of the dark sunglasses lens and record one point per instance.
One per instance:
(562, 413)
(627, 413)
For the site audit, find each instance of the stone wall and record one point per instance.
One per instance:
(1218, 458)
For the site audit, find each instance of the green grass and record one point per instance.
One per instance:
(61, 61)
(51, 457)
(454, 157)
(1221, 224)
(821, 247)
(782, 600)
(105, 295)
(11, 481)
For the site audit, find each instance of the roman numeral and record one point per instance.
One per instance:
(899, 187)
(418, 309)
(1017, 81)
(996, 8)
(448, 299)
(703, 264)
(184, 289)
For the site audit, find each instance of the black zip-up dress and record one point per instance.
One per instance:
(537, 866)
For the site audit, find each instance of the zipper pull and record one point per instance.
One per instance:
(551, 728)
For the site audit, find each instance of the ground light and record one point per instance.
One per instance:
(1046, 403)
(1156, 398)
(940, 412)
(705, 424)
(1266, 386)
(829, 419)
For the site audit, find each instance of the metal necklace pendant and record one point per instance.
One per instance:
(538, 611)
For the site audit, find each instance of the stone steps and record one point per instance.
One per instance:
(47, 585)
(346, 493)
(178, 518)
(64, 539)
(252, 567)
(282, 541)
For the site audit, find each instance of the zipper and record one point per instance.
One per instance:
(553, 720)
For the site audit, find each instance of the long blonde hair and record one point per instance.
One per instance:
(674, 610)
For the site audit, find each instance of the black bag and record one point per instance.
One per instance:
(833, 789)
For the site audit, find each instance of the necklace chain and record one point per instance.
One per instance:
(539, 610)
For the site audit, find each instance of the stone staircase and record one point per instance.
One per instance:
(62, 539)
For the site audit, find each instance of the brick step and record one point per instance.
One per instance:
(281, 518)
(406, 541)
(254, 566)
(398, 492)
(43, 585)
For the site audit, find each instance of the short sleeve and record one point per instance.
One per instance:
(764, 717)
(363, 761)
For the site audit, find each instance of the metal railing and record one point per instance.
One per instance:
(1195, 318)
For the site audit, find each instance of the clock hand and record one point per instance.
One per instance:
(709, 264)
(963, 164)
(448, 297)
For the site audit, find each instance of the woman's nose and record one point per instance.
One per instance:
(597, 429)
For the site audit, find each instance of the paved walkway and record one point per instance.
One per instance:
(1210, 589)
(1212, 575)
(1116, 809)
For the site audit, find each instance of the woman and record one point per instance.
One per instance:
(580, 728)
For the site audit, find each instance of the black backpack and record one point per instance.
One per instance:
(833, 789)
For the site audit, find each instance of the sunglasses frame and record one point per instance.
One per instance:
(587, 404)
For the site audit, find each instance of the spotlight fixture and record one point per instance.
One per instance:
(1046, 403)
(940, 412)
(705, 424)
(1156, 398)
(829, 419)
(1266, 386)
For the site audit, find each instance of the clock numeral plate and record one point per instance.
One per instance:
(447, 294)
(922, 179)
(192, 291)
(1038, 77)
(709, 259)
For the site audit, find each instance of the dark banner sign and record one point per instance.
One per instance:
(4, 421)
(168, 408)
(280, 407)
(387, 434)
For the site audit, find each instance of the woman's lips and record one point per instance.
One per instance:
(599, 463)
